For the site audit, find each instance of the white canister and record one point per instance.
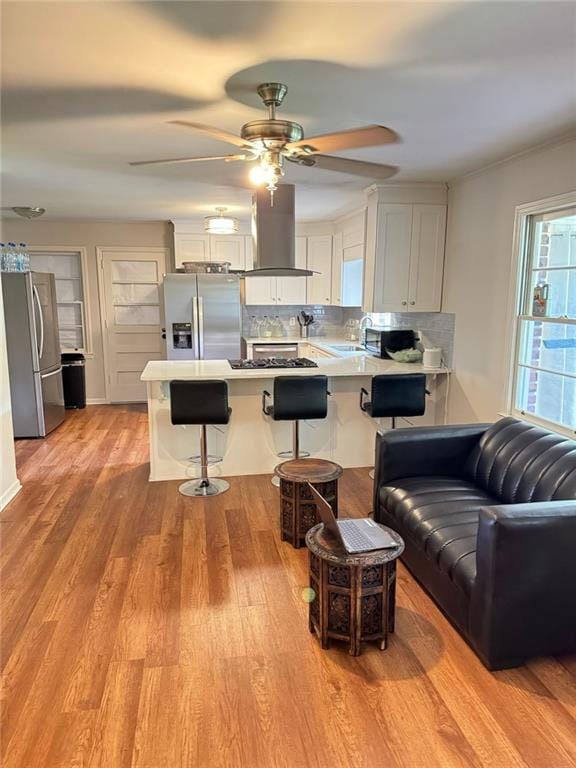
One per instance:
(432, 358)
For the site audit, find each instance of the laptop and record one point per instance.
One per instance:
(354, 534)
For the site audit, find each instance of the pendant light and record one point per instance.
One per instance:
(221, 224)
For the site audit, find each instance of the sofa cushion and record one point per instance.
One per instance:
(440, 514)
(519, 462)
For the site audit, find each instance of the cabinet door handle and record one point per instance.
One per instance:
(412, 303)
(404, 303)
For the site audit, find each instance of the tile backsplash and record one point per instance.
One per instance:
(436, 327)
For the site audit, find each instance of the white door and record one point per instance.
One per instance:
(292, 290)
(228, 248)
(392, 267)
(427, 258)
(129, 282)
(319, 258)
(191, 248)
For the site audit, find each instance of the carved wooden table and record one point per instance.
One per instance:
(354, 596)
(297, 507)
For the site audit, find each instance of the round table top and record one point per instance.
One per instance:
(325, 547)
(309, 470)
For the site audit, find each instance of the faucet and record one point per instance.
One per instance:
(364, 323)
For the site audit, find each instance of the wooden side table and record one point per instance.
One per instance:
(354, 596)
(297, 507)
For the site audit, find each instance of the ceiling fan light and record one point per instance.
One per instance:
(220, 224)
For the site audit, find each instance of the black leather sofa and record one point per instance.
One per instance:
(488, 514)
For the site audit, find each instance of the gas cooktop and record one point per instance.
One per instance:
(273, 362)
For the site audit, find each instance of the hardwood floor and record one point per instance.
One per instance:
(145, 629)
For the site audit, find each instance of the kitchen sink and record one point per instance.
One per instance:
(346, 348)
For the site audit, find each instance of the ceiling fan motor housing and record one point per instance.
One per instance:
(267, 131)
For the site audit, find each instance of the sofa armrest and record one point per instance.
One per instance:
(523, 602)
(423, 451)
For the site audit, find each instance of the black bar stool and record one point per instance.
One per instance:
(296, 398)
(202, 403)
(398, 395)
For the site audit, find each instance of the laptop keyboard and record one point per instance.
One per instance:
(353, 537)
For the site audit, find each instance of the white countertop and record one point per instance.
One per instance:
(345, 364)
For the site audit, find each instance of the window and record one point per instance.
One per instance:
(544, 380)
(69, 269)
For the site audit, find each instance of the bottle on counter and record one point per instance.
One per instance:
(266, 327)
(10, 260)
(277, 327)
(254, 330)
(24, 258)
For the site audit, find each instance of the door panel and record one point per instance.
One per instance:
(52, 399)
(191, 248)
(427, 258)
(219, 316)
(228, 248)
(319, 259)
(47, 321)
(393, 237)
(132, 311)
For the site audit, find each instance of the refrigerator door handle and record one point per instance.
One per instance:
(200, 328)
(195, 342)
(52, 373)
(41, 317)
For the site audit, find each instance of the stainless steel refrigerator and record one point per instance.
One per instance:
(203, 316)
(33, 347)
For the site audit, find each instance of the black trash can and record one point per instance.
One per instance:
(74, 380)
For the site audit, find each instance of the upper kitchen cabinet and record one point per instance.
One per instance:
(190, 244)
(405, 236)
(348, 260)
(191, 247)
(319, 259)
(230, 248)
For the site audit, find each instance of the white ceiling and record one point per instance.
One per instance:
(88, 86)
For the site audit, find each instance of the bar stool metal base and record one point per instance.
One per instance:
(208, 486)
(295, 453)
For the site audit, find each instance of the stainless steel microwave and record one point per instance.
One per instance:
(378, 340)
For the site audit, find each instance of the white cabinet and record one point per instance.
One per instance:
(319, 259)
(280, 291)
(228, 248)
(404, 257)
(201, 247)
(427, 258)
(310, 351)
(191, 247)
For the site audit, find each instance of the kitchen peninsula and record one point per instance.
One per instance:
(249, 444)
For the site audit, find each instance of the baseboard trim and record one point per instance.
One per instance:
(96, 401)
(9, 494)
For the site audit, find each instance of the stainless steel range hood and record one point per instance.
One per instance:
(274, 234)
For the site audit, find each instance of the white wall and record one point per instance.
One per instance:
(9, 484)
(481, 210)
(91, 235)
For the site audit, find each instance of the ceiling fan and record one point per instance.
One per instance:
(270, 141)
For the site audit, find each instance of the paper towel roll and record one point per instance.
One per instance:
(432, 358)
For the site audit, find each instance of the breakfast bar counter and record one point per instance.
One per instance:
(250, 443)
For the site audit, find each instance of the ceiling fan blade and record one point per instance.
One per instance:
(356, 167)
(216, 133)
(370, 136)
(175, 160)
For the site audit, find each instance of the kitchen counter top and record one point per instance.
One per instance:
(354, 365)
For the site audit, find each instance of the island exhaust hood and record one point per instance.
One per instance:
(274, 234)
